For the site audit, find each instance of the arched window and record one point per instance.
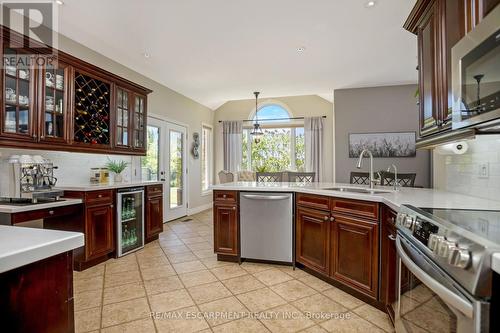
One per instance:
(272, 111)
(281, 148)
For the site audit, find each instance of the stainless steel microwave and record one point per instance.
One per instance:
(476, 75)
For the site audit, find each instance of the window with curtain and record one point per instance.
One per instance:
(280, 148)
(205, 157)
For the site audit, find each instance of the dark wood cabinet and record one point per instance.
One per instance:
(226, 229)
(340, 241)
(354, 251)
(38, 297)
(439, 25)
(100, 231)
(313, 239)
(388, 262)
(66, 103)
(154, 211)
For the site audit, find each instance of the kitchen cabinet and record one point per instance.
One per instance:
(354, 252)
(99, 236)
(67, 104)
(439, 25)
(312, 242)
(226, 220)
(154, 211)
(388, 290)
(338, 238)
(38, 297)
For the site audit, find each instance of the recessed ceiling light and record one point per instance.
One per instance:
(60, 2)
(370, 4)
(146, 55)
(301, 49)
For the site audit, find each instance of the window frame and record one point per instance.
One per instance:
(209, 166)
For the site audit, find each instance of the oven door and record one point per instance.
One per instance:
(428, 299)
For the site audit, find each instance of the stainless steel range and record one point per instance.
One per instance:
(445, 279)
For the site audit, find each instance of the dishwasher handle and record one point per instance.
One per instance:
(265, 197)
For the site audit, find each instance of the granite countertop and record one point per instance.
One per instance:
(108, 186)
(418, 197)
(20, 246)
(11, 209)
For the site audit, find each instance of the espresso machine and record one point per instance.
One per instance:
(32, 178)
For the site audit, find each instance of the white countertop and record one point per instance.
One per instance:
(11, 209)
(418, 197)
(20, 246)
(495, 262)
(108, 186)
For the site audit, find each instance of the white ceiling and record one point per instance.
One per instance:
(218, 50)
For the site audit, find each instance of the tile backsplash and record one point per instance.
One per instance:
(476, 173)
(73, 168)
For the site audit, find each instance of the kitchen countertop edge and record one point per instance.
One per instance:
(110, 186)
(12, 209)
(20, 246)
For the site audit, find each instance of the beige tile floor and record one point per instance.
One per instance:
(176, 284)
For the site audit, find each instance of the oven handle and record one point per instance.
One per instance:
(265, 197)
(444, 293)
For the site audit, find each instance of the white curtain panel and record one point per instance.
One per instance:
(232, 138)
(313, 135)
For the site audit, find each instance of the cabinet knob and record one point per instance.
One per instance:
(234, 208)
(224, 196)
(99, 196)
(34, 136)
(51, 212)
(42, 137)
(111, 205)
(326, 218)
(332, 219)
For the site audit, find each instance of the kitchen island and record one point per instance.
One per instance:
(36, 275)
(343, 234)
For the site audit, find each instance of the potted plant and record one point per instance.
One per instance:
(117, 168)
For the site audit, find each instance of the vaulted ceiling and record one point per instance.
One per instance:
(218, 50)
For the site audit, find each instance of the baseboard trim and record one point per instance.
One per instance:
(196, 210)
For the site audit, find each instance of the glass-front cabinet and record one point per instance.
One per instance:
(18, 103)
(122, 133)
(54, 103)
(139, 122)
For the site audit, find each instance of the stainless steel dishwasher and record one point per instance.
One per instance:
(266, 226)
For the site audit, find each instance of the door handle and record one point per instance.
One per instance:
(265, 197)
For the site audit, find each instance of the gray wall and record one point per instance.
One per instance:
(377, 109)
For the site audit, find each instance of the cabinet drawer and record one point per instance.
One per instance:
(355, 207)
(313, 201)
(154, 190)
(226, 196)
(104, 197)
(44, 213)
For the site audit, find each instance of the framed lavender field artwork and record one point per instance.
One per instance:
(395, 144)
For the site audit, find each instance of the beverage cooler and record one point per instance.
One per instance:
(130, 213)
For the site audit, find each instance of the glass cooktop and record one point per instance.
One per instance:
(484, 223)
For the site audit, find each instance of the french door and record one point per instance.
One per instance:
(166, 160)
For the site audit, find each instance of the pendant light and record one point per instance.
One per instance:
(256, 131)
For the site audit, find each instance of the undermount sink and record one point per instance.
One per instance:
(357, 190)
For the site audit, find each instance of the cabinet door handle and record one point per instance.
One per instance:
(332, 219)
(111, 206)
(326, 218)
(392, 237)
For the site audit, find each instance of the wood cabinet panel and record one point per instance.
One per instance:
(104, 197)
(388, 274)
(99, 236)
(359, 208)
(313, 239)
(154, 216)
(226, 229)
(154, 190)
(313, 201)
(225, 196)
(39, 297)
(354, 249)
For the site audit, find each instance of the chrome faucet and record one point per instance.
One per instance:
(396, 180)
(372, 178)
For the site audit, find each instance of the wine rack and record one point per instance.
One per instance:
(92, 110)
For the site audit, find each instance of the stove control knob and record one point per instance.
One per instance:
(459, 257)
(445, 248)
(409, 222)
(432, 243)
